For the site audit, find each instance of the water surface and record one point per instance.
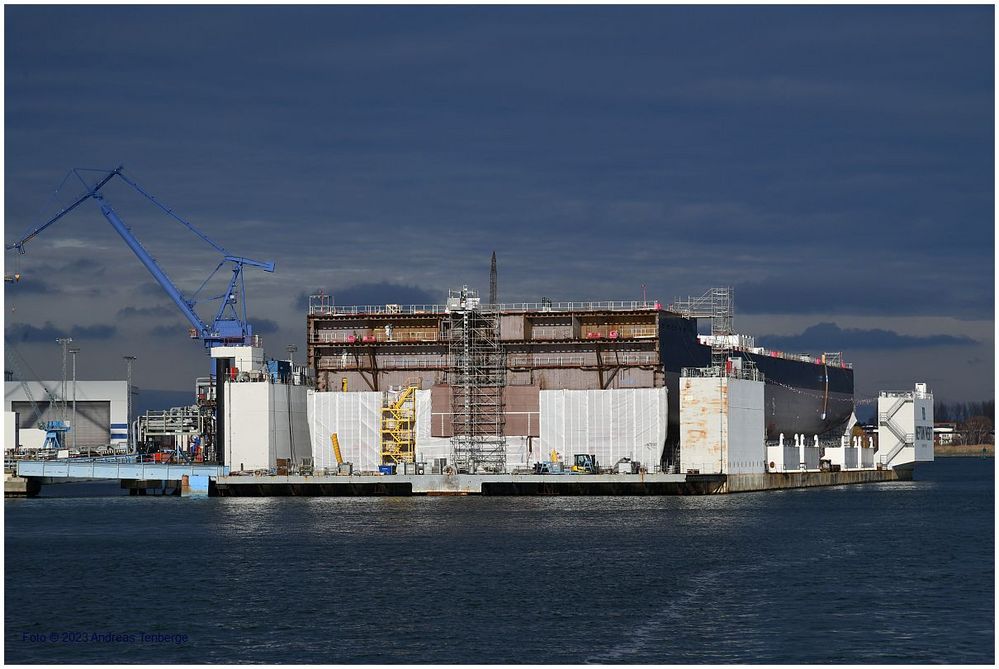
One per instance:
(885, 573)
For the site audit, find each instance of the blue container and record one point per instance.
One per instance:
(386, 469)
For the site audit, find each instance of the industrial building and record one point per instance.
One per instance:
(101, 416)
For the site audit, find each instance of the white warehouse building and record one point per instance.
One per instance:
(101, 412)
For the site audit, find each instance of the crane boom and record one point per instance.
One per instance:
(154, 269)
(222, 330)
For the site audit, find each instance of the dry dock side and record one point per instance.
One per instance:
(779, 481)
(528, 484)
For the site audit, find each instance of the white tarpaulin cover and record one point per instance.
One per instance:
(428, 448)
(356, 419)
(611, 424)
(608, 423)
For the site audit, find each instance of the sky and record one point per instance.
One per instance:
(835, 165)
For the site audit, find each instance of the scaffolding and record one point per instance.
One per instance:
(718, 304)
(398, 427)
(477, 376)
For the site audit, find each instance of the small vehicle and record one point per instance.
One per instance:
(584, 463)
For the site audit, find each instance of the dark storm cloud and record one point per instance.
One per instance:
(831, 337)
(849, 290)
(93, 331)
(262, 326)
(23, 332)
(149, 289)
(828, 161)
(167, 331)
(28, 285)
(145, 312)
(382, 292)
(385, 292)
(84, 266)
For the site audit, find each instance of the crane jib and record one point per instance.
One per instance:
(224, 329)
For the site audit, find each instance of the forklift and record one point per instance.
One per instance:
(584, 463)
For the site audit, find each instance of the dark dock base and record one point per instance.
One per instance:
(20, 486)
(527, 484)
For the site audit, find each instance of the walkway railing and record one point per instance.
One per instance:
(322, 307)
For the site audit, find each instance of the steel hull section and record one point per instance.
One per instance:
(800, 397)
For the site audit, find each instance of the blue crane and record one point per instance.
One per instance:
(228, 327)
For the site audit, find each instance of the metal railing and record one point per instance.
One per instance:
(531, 360)
(423, 362)
(353, 337)
(746, 373)
(324, 308)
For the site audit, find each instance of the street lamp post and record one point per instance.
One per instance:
(129, 359)
(74, 351)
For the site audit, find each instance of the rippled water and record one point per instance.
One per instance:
(884, 573)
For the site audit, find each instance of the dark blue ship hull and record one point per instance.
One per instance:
(800, 397)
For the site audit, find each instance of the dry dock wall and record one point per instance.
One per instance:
(781, 481)
(722, 427)
(264, 422)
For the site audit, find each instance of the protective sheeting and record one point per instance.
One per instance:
(609, 423)
(428, 448)
(356, 420)
(612, 424)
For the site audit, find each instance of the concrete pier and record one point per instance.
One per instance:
(20, 486)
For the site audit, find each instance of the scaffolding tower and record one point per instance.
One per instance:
(718, 304)
(477, 376)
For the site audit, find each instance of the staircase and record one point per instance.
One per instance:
(904, 438)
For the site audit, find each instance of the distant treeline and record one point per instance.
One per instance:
(959, 412)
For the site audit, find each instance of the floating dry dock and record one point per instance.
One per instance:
(208, 480)
(528, 484)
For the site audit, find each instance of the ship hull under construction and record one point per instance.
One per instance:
(801, 397)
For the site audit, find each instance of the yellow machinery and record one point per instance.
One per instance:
(399, 427)
(336, 449)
